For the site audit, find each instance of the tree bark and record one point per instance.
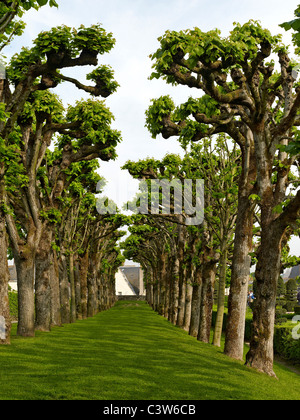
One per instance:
(182, 298)
(207, 300)
(92, 290)
(195, 306)
(175, 292)
(261, 354)
(77, 289)
(221, 300)
(55, 291)
(64, 289)
(237, 302)
(43, 265)
(5, 321)
(72, 286)
(181, 272)
(188, 305)
(25, 274)
(84, 261)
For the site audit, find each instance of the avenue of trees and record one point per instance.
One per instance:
(244, 87)
(66, 254)
(239, 133)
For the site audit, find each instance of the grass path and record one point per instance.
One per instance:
(130, 353)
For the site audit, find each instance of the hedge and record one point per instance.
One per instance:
(285, 345)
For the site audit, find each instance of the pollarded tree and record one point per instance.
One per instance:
(246, 98)
(38, 70)
(34, 202)
(144, 245)
(103, 254)
(197, 249)
(217, 163)
(10, 26)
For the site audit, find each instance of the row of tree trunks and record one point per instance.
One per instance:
(183, 295)
(64, 290)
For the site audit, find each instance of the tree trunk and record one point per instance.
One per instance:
(181, 299)
(92, 290)
(207, 300)
(101, 292)
(167, 289)
(77, 289)
(188, 305)
(25, 274)
(43, 265)
(155, 292)
(163, 285)
(64, 290)
(84, 261)
(72, 286)
(237, 302)
(181, 274)
(175, 292)
(55, 291)
(221, 300)
(261, 354)
(241, 261)
(195, 306)
(5, 322)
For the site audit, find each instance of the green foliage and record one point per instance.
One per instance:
(73, 41)
(95, 120)
(3, 114)
(159, 109)
(20, 63)
(57, 39)
(103, 77)
(245, 39)
(291, 291)
(295, 26)
(208, 47)
(13, 305)
(15, 174)
(204, 105)
(52, 215)
(293, 148)
(281, 289)
(44, 102)
(36, 4)
(285, 345)
(11, 12)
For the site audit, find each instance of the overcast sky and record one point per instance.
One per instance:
(136, 25)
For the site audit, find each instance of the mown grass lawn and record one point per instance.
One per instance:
(130, 353)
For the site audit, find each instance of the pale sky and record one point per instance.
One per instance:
(136, 25)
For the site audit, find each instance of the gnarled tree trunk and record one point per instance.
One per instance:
(25, 273)
(261, 353)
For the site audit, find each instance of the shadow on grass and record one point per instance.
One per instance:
(130, 353)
